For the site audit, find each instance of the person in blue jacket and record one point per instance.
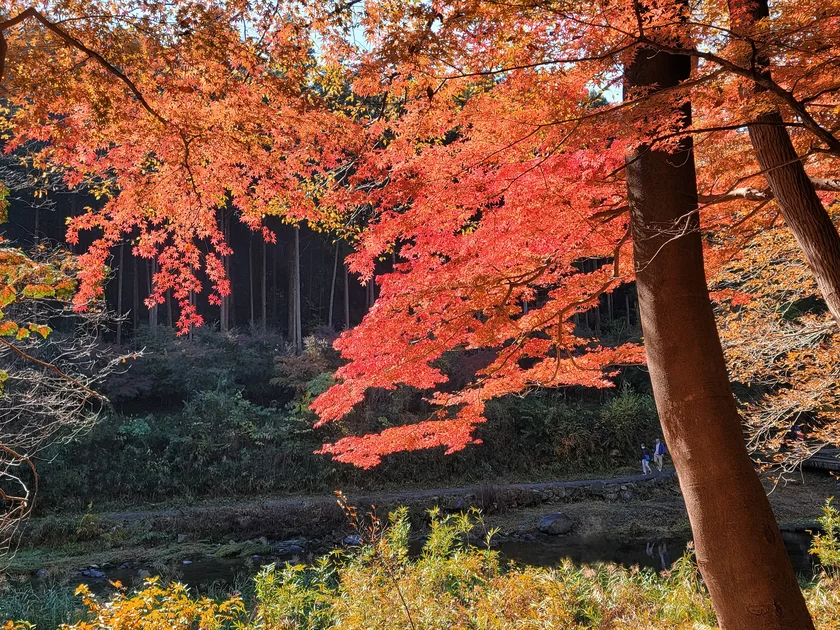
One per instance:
(659, 454)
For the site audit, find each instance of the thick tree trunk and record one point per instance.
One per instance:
(332, 287)
(739, 549)
(794, 192)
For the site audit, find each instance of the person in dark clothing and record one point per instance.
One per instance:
(645, 460)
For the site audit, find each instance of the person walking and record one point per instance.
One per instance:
(659, 454)
(645, 460)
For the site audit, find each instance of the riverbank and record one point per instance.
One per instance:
(301, 528)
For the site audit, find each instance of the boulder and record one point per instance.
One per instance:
(555, 524)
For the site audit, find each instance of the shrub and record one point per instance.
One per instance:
(826, 544)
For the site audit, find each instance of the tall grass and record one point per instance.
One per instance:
(452, 584)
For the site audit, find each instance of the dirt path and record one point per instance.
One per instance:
(386, 498)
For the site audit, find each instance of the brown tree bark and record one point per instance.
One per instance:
(801, 208)
(739, 548)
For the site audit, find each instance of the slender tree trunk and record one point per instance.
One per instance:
(801, 208)
(192, 301)
(135, 306)
(346, 297)
(120, 277)
(251, 291)
(224, 308)
(169, 308)
(627, 307)
(275, 316)
(332, 287)
(290, 261)
(263, 305)
(153, 311)
(739, 548)
(298, 310)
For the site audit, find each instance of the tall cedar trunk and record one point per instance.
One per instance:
(153, 311)
(251, 292)
(169, 307)
(346, 297)
(794, 193)
(275, 316)
(332, 287)
(192, 302)
(290, 291)
(263, 296)
(224, 307)
(135, 302)
(739, 549)
(120, 277)
(298, 323)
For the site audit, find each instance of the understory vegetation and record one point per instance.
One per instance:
(228, 415)
(457, 581)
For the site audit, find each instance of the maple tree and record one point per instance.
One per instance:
(491, 167)
(186, 117)
(782, 348)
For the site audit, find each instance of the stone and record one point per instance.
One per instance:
(242, 549)
(182, 538)
(142, 573)
(42, 573)
(287, 550)
(555, 524)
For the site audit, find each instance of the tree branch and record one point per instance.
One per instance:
(75, 43)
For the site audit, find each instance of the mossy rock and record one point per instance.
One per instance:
(242, 549)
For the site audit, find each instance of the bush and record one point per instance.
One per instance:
(451, 584)
(826, 544)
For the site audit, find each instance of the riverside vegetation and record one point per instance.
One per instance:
(451, 584)
(228, 415)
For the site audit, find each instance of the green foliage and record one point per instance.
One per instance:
(451, 584)
(45, 607)
(826, 544)
(629, 419)
(227, 415)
